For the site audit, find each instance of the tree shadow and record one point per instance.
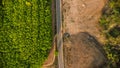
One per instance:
(1, 60)
(1, 2)
(115, 32)
(1, 13)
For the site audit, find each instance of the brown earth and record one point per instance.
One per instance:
(82, 16)
(83, 51)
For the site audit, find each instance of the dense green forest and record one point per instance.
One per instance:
(110, 21)
(25, 33)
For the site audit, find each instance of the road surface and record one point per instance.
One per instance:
(59, 34)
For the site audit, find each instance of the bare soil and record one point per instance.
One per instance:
(82, 50)
(79, 16)
(82, 16)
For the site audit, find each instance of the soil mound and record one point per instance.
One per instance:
(83, 51)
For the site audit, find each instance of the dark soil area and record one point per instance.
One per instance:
(83, 51)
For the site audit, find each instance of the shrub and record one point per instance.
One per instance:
(110, 22)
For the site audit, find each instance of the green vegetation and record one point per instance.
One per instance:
(25, 33)
(110, 21)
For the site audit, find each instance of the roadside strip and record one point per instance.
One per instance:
(59, 34)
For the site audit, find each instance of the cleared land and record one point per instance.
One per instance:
(80, 16)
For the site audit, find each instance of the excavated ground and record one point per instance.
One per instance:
(81, 16)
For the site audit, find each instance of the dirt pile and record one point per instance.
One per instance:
(83, 51)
